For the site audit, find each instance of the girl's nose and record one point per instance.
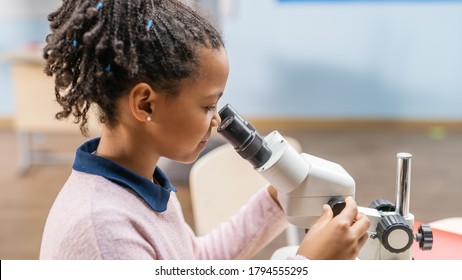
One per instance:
(216, 120)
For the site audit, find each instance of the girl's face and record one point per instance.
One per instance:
(185, 122)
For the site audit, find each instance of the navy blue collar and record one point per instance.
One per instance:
(156, 196)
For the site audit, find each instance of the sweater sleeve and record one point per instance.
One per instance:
(244, 234)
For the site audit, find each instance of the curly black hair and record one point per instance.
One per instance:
(97, 50)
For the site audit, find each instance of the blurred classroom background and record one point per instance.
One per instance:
(354, 82)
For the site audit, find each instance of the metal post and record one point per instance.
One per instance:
(403, 184)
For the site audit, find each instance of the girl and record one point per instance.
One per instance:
(155, 69)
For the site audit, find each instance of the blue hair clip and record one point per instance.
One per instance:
(108, 68)
(149, 24)
(74, 43)
(99, 6)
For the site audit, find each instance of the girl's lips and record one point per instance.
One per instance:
(206, 139)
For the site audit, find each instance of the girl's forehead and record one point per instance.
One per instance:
(212, 77)
(213, 60)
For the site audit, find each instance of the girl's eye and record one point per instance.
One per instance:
(211, 108)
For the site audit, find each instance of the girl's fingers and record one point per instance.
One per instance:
(350, 211)
(361, 225)
(326, 216)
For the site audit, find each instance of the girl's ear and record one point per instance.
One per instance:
(141, 100)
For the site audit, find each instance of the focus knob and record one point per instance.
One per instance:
(394, 234)
(337, 204)
(425, 237)
(383, 205)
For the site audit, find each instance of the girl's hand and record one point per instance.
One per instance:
(335, 238)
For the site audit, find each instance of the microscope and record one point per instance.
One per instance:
(305, 183)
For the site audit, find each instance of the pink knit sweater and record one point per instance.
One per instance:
(94, 218)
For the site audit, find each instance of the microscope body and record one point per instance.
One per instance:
(305, 183)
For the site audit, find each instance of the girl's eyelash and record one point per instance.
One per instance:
(211, 108)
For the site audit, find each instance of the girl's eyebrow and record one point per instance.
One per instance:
(214, 95)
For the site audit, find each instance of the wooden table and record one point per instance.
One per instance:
(35, 109)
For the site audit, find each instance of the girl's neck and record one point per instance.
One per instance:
(128, 151)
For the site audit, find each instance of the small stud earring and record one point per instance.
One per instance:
(148, 118)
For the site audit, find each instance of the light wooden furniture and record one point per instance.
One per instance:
(35, 108)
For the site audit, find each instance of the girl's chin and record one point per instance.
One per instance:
(192, 157)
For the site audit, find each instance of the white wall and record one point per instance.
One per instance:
(360, 59)
(26, 9)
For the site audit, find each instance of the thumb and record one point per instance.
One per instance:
(326, 216)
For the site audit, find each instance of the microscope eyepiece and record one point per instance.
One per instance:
(227, 121)
(227, 110)
(235, 131)
(243, 137)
